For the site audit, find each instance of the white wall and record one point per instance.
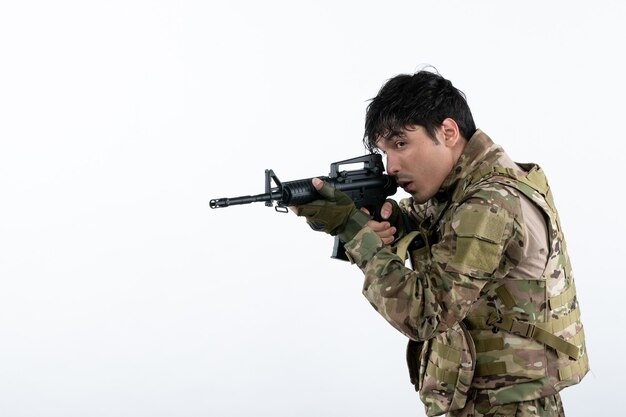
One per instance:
(123, 294)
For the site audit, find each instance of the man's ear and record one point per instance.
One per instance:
(451, 134)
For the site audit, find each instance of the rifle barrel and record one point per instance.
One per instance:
(225, 202)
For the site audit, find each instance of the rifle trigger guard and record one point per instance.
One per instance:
(281, 209)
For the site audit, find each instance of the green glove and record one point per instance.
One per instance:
(335, 214)
(396, 219)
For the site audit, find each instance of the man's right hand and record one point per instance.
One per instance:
(385, 229)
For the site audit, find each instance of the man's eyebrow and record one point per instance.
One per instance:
(393, 133)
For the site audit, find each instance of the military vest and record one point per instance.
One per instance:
(523, 339)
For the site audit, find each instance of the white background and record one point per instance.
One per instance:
(123, 294)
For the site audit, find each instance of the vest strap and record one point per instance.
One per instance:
(491, 368)
(562, 299)
(563, 322)
(574, 368)
(534, 178)
(578, 338)
(403, 244)
(555, 302)
(505, 296)
(487, 345)
(534, 332)
(449, 377)
(445, 352)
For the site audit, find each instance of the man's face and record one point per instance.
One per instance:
(419, 164)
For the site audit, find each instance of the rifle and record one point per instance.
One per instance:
(368, 187)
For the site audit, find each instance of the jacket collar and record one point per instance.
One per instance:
(479, 152)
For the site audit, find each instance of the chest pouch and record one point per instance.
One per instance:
(449, 364)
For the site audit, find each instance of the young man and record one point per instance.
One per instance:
(489, 305)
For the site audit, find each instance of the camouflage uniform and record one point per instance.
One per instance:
(490, 308)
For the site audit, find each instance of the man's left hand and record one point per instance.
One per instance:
(334, 214)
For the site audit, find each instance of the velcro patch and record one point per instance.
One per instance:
(479, 231)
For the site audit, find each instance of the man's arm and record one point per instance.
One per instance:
(474, 249)
(478, 245)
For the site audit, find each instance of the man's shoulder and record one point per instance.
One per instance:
(496, 191)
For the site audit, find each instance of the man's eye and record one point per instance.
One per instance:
(400, 144)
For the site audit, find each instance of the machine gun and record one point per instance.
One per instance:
(368, 187)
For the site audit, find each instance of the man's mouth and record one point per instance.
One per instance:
(405, 184)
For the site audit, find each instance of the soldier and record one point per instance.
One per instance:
(489, 305)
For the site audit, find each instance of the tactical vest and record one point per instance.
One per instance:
(523, 339)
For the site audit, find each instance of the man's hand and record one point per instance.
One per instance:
(384, 229)
(335, 213)
(391, 227)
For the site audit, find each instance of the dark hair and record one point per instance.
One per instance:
(424, 98)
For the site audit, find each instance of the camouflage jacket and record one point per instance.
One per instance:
(490, 305)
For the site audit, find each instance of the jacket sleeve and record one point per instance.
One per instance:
(479, 244)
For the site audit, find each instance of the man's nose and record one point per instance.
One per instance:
(392, 166)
